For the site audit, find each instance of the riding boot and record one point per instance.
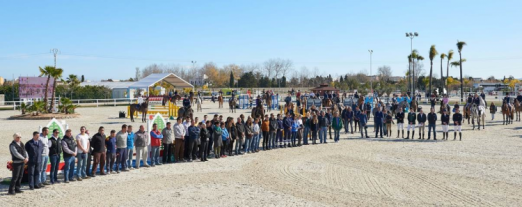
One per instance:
(460, 136)
(447, 135)
(408, 135)
(403, 133)
(454, 135)
(419, 134)
(422, 135)
(398, 133)
(413, 135)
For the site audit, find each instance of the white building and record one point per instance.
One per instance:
(199, 81)
(119, 89)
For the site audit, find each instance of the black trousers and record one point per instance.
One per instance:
(265, 139)
(18, 173)
(230, 147)
(34, 173)
(186, 146)
(189, 149)
(378, 128)
(203, 149)
(167, 153)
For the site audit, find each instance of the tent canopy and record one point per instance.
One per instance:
(170, 78)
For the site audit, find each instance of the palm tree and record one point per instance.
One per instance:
(460, 45)
(450, 56)
(56, 73)
(433, 53)
(46, 71)
(414, 55)
(442, 56)
(73, 81)
(419, 58)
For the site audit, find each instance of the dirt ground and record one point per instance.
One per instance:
(484, 169)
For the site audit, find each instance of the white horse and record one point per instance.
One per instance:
(479, 113)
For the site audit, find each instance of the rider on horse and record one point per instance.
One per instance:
(507, 99)
(288, 99)
(519, 97)
(258, 101)
(186, 102)
(469, 101)
(140, 102)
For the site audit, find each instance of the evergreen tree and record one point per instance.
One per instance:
(83, 79)
(231, 83)
(283, 81)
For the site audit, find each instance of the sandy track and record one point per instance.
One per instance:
(485, 169)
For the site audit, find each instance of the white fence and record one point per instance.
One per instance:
(80, 102)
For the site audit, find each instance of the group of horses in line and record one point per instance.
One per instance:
(471, 112)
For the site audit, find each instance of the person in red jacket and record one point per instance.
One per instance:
(155, 143)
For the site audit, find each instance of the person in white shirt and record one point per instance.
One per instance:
(186, 125)
(255, 142)
(179, 140)
(83, 146)
(140, 100)
(45, 157)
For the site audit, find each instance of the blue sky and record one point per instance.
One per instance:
(109, 39)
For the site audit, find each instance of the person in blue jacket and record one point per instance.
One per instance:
(363, 120)
(34, 149)
(186, 102)
(287, 125)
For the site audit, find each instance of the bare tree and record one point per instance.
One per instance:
(385, 72)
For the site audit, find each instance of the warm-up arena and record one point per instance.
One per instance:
(484, 169)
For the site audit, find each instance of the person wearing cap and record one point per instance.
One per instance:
(421, 117)
(19, 157)
(432, 120)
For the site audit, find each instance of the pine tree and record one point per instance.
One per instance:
(83, 79)
(231, 83)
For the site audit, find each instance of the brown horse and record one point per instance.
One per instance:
(258, 111)
(442, 108)
(518, 109)
(414, 106)
(360, 102)
(232, 105)
(143, 108)
(185, 113)
(467, 113)
(507, 113)
(327, 102)
(220, 101)
(268, 101)
(175, 99)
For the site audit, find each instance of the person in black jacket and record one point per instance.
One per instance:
(457, 121)
(378, 120)
(432, 119)
(272, 133)
(411, 124)
(55, 150)
(356, 118)
(204, 137)
(421, 117)
(19, 157)
(34, 149)
(400, 122)
(287, 124)
(99, 152)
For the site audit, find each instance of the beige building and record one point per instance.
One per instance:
(2, 80)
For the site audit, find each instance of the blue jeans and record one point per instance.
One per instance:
(273, 140)
(432, 126)
(247, 144)
(322, 134)
(294, 137)
(154, 155)
(55, 163)
(336, 135)
(130, 153)
(258, 141)
(43, 169)
(253, 143)
(121, 159)
(68, 170)
(305, 135)
(237, 148)
(82, 163)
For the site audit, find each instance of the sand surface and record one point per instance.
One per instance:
(484, 169)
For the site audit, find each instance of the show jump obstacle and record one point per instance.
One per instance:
(170, 110)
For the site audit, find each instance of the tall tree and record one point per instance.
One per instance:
(83, 79)
(433, 53)
(385, 72)
(56, 74)
(46, 71)
(283, 81)
(247, 80)
(442, 56)
(460, 45)
(231, 83)
(73, 82)
(418, 58)
(450, 56)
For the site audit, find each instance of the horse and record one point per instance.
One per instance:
(143, 108)
(185, 113)
(518, 109)
(220, 101)
(327, 102)
(268, 101)
(198, 104)
(507, 113)
(258, 111)
(414, 106)
(478, 113)
(442, 108)
(360, 102)
(232, 105)
(175, 99)
(467, 112)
